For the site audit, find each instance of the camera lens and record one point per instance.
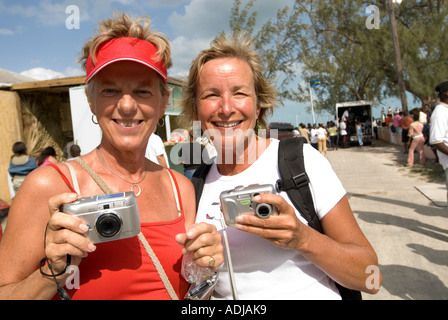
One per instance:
(263, 210)
(108, 224)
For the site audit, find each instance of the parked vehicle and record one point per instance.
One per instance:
(356, 111)
(282, 130)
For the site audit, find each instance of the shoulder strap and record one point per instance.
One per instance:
(74, 178)
(294, 180)
(198, 181)
(176, 191)
(94, 176)
(64, 177)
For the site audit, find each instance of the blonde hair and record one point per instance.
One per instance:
(122, 25)
(240, 47)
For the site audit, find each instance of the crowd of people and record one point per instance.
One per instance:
(414, 129)
(321, 137)
(126, 65)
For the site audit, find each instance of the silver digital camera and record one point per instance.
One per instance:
(239, 201)
(109, 217)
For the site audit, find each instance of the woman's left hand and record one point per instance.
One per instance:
(284, 230)
(204, 241)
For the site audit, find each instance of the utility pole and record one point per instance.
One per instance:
(312, 106)
(401, 85)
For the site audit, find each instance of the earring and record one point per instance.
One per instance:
(94, 122)
(163, 122)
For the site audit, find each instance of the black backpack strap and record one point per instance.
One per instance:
(198, 181)
(294, 180)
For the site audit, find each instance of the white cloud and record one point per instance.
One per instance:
(201, 21)
(73, 72)
(202, 18)
(206, 18)
(184, 51)
(46, 12)
(42, 74)
(165, 3)
(48, 74)
(6, 32)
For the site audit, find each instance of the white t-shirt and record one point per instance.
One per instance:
(342, 128)
(439, 130)
(321, 133)
(156, 148)
(313, 136)
(263, 270)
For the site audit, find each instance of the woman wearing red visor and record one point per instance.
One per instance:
(126, 65)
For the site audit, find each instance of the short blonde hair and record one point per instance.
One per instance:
(122, 25)
(240, 47)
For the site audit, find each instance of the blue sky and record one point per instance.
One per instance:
(35, 40)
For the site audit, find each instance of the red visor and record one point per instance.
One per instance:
(125, 49)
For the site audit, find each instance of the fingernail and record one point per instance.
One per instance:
(91, 247)
(190, 234)
(256, 198)
(72, 196)
(83, 227)
(239, 219)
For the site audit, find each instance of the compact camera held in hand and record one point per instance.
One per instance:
(239, 201)
(109, 217)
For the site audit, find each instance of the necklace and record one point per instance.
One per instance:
(134, 184)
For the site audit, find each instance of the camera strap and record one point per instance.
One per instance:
(158, 266)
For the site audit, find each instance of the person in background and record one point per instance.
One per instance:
(389, 121)
(426, 112)
(375, 128)
(47, 156)
(67, 147)
(359, 134)
(192, 155)
(343, 131)
(333, 133)
(439, 129)
(396, 121)
(314, 140)
(405, 123)
(304, 132)
(418, 141)
(156, 152)
(75, 151)
(322, 139)
(20, 165)
(296, 132)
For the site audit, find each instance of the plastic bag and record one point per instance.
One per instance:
(202, 279)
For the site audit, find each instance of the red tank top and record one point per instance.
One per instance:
(123, 270)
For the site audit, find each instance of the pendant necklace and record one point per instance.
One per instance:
(134, 184)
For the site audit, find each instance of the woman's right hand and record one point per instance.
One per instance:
(65, 235)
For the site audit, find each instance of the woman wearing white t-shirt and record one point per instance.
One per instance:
(279, 257)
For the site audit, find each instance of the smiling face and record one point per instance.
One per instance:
(227, 102)
(127, 102)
